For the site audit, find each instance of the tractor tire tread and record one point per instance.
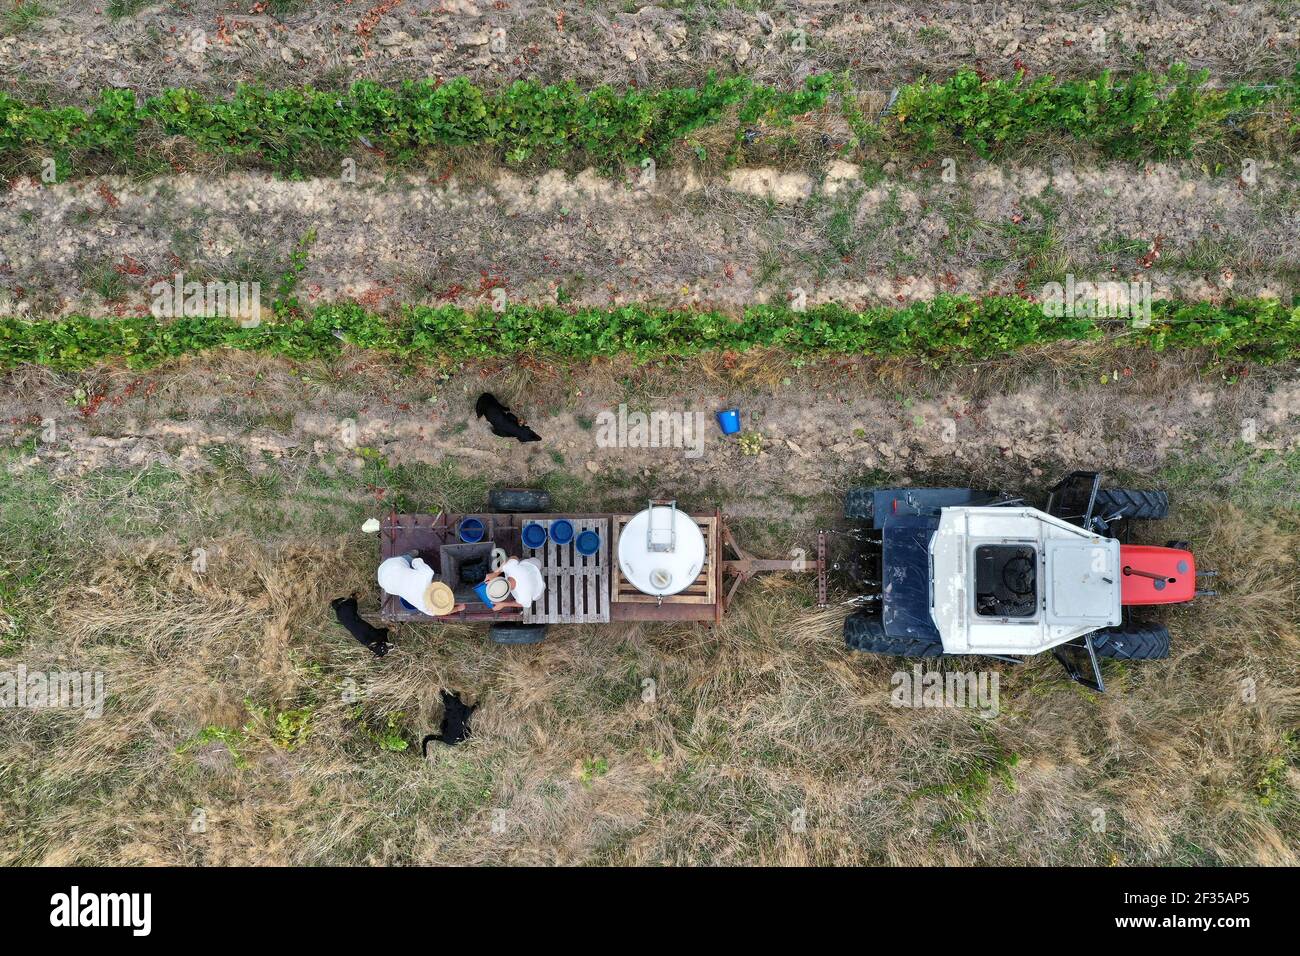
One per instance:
(1132, 505)
(519, 501)
(517, 633)
(865, 632)
(1132, 642)
(858, 504)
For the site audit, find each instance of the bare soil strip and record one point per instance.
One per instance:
(755, 235)
(213, 44)
(821, 426)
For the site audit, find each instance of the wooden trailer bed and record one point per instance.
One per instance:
(579, 590)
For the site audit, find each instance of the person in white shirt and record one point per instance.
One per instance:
(407, 576)
(525, 580)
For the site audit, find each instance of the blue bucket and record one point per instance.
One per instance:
(470, 530)
(481, 591)
(561, 531)
(729, 421)
(588, 543)
(534, 535)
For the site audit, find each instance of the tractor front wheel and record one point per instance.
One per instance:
(865, 632)
(1132, 642)
(1127, 504)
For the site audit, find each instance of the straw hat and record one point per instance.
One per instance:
(438, 598)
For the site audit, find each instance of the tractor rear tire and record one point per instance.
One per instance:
(865, 632)
(858, 504)
(1132, 505)
(1132, 642)
(527, 501)
(517, 633)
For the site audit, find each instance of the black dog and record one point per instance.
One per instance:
(455, 722)
(503, 421)
(375, 638)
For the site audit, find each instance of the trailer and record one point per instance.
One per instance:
(611, 585)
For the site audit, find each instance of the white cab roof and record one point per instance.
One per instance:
(1078, 577)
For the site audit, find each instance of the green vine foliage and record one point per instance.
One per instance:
(282, 128)
(948, 327)
(1138, 116)
(1143, 115)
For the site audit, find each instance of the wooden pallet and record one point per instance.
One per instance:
(577, 587)
(703, 590)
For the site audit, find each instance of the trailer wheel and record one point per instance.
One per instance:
(528, 501)
(858, 504)
(1131, 505)
(1132, 642)
(864, 632)
(517, 633)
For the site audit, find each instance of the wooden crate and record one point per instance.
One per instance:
(703, 590)
(577, 587)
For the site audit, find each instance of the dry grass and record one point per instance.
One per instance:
(752, 723)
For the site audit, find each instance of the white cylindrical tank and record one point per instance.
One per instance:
(660, 573)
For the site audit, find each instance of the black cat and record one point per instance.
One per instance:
(455, 722)
(375, 638)
(503, 421)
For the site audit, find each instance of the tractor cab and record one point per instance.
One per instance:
(1018, 581)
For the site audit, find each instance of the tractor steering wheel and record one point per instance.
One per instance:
(1018, 576)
